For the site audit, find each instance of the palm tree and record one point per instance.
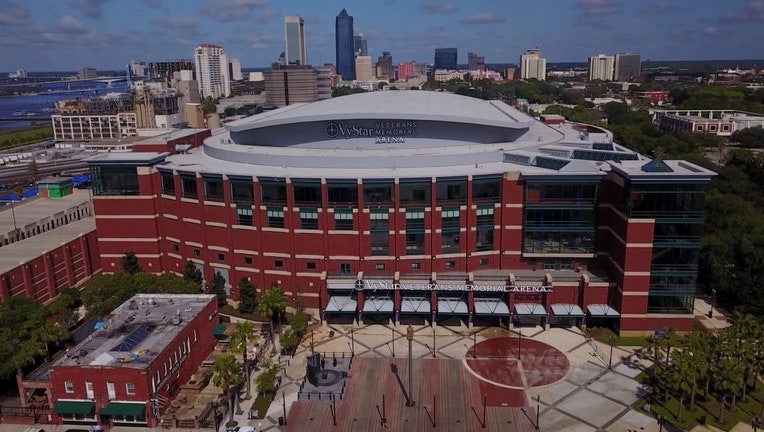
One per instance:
(49, 333)
(19, 191)
(696, 347)
(670, 338)
(272, 303)
(33, 170)
(226, 374)
(240, 337)
(654, 346)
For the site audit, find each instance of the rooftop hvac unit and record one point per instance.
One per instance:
(176, 320)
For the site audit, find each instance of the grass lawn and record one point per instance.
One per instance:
(261, 404)
(27, 136)
(704, 407)
(603, 335)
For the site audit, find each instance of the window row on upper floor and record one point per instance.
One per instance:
(372, 193)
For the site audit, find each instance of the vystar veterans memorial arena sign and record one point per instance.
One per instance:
(362, 285)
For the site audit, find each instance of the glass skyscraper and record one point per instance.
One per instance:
(445, 58)
(627, 66)
(295, 53)
(344, 45)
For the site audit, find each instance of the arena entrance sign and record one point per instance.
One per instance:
(362, 285)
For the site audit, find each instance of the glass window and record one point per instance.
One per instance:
(248, 260)
(114, 180)
(69, 386)
(188, 187)
(309, 218)
(213, 189)
(449, 238)
(418, 192)
(275, 217)
(380, 244)
(310, 265)
(244, 214)
(450, 264)
(561, 193)
(415, 266)
(343, 219)
(196, 252)
(379, 267)
(484, 240)
(307, 192)
(130, 388)
(343, 193)
(377, 194)
(451, 190)
(484, 217)
(278, 264)
(483, 261)
(221, 257)
(378, 221)
(486, 189)
(273, 191)
(241, 191)
(345, 268)
(168, 183)
(414, 243)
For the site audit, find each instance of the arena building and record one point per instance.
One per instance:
(425, 204)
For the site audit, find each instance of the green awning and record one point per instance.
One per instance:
(218, 330)
(74, 407)
(124, 409)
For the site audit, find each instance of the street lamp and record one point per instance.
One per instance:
(410, 337)
(519, 339)
(713, 303)
(612, 342)
(755, 423)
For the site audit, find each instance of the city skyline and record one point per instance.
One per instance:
(106, 34)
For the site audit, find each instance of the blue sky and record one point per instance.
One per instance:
(41, 35)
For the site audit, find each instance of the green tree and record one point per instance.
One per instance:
(217, 287)
(225, 372)
(240, 339)
(48, 334)
(210, 105)
(247, 296)
(104, 292)
(289, 340)
(33, 171)
(130, 263)
(266, 381)
(272, 303)
(299, 323)
(192, 274)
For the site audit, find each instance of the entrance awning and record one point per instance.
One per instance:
(455, 306)
(415, 305)
(218, 330)
(530, 309)
(74, 407)
(378, 304)
(345, 304)
(602, 311)
(567, 310)
(124, 409)
(340, 284)
(490, 306)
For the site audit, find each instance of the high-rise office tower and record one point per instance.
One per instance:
(363, 69)
(445, 58)
(532, 65)
(627, 66)
(601, 68)
(295, 53)
(385, 66)
(234, 70)
(475, 62)
(164, 70)
(360, 46)
(286, 85)
(344, 46)
(212, 71)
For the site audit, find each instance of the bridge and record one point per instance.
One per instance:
(105, 79)
(24, 118)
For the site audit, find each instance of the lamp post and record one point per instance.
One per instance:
(519, 339)
(352, 343)
(612, 342)
(713, 303)
(433, 342)
(392, 340)
(410, 337)
(755, 423)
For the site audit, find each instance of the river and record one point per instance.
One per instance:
(42, 104)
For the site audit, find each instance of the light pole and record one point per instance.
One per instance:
(352, 343)
(392, 341)
(519, 339)
(713, 303)
(410, 337)
(612, 342)
(755, 423)
(433, 342)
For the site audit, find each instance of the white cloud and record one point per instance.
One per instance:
(433, 6)
(483, 18)
(753, 11)
(232, 10)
